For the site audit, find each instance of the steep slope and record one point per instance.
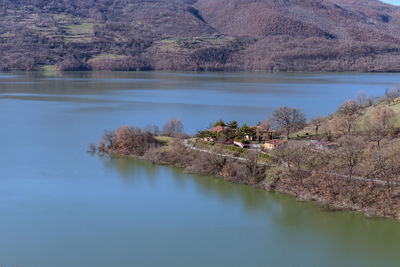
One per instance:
(335, 19)
(266, 35)
(312, 35)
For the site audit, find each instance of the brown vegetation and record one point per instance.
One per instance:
(359, 171)
(264, 35)
(289, 120)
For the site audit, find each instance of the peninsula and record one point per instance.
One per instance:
(347, 160)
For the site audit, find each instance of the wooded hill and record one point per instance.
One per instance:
(255, 35)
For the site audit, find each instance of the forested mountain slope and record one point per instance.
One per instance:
(264, 35)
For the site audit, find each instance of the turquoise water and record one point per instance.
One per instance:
(60, 206)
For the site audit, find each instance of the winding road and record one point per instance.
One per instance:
(185, 143)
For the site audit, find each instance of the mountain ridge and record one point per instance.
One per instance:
(227, 35)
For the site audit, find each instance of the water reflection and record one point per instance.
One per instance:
(345, 231)
(131, 170)
(97, 211)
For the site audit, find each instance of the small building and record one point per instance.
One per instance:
(274, 144)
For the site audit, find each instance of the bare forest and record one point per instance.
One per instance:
(202, 35)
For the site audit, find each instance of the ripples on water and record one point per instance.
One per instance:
(60, 206)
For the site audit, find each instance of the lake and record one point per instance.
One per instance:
(60, 206)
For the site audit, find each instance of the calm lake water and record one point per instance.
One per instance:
(60, 206)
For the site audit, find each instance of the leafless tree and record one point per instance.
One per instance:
(361, 99)
(317, 122)
(148, 129)
(384, 164)
(152, 154)
(288, 119)
(108, 138)
(350, 153)
(349, 113)
(172, 127)
(380, 123)
(255, 172)
(132, 141)
(263, 129)
(156, 130)
(391, 95)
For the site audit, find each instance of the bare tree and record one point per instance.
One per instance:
(349, 112)
(384, 164)
(292, 155)
(132, 141)
(108, 138)
(148, 129)
(350, 153)
(361, 99)
(317, 122)
(255, 173)
(172, 127)
(263, 129)
(391, 95)
(380, 124)
(288, 119)
(156, 130)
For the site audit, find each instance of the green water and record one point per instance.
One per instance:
(60, 206)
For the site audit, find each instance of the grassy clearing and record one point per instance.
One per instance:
(7, 35)
(396, 109)
(49, 68)
(187, 44)
(79, 29)
(165, 140)
(80, 33)
(362, 121)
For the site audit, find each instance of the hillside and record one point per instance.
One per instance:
(255, 35)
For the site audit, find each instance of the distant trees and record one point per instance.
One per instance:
(263, 129)
(265, 125)
(391, 95)
(232, 124)
(347, 117)
(288, 119)
(350, 153)
(172, 127)
(255, 172)
(219, 123)
(127, 140)
(361, 98)
(316, 122)
(380, 123)
(244, 131)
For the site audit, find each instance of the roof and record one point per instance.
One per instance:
(218, 129)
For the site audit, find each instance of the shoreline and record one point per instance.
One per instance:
(199, 71)
(278, 185)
